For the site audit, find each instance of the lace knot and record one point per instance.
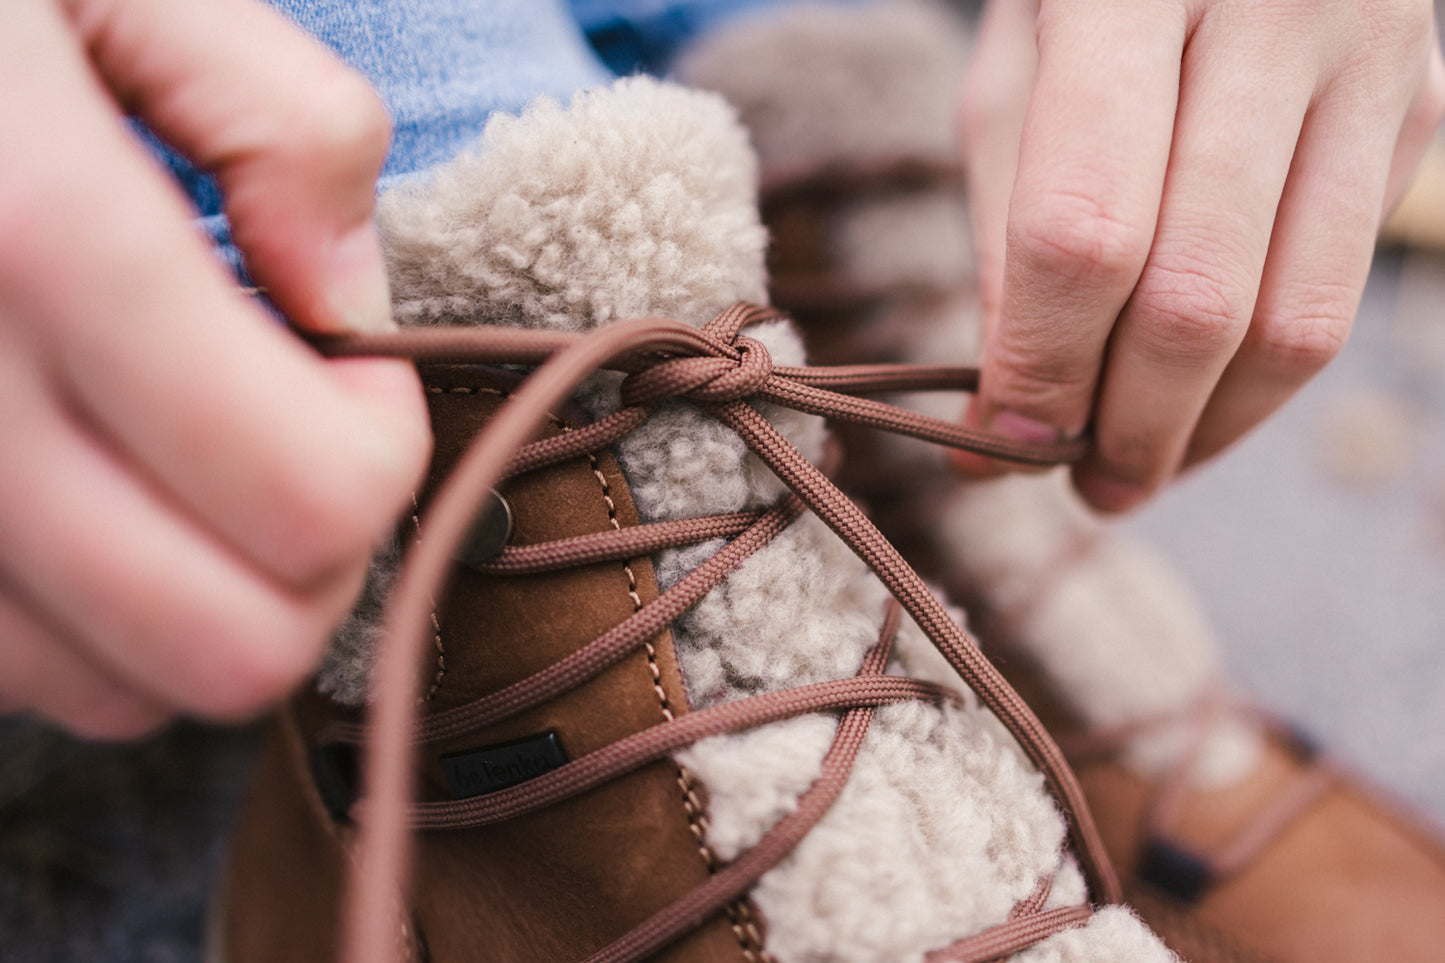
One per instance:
(708, 378)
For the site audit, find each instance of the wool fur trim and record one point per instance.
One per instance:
(1117, 632)
(902, 111)
(944, 825)
(664, 227)
(345, 672)
(1119, 637)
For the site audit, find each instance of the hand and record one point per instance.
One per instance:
(1176, 204)
(188, 495)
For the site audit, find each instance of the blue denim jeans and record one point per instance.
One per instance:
(442, 66)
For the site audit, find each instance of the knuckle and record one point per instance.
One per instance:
(341, 121)
(1189, 314)
(1048, 385)
(1303, 342)
(1072, 236)
(1392, 32)
(1409, 20)
(255, 671)
(335, 513)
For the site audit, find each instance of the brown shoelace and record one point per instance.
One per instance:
(720, 371)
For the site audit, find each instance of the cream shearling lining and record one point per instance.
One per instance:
(879, 64)
(1119, 637)
(638, 199)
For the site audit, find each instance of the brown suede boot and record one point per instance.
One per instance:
(666, 711)
(1235, 839)
(602, 862)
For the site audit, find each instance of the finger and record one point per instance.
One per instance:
(294, 137)
(1090, 172)
(230, 416)
(1422, 124)
(40, 672)
(1319, 258)
(148, 596)
(1234, 137)
(994, 99)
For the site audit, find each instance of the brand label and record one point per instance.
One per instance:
(476, 772)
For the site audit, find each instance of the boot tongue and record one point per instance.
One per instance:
(636, 200)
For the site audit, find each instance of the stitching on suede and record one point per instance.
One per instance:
(743, 929)
(436, 623)
(652, 667)
(741, 915)
(436, 684)
(696, 816)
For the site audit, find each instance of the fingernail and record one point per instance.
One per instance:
(1022, 428)
(357, 290)
(1110, 495)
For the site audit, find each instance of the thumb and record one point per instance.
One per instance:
(295, 138)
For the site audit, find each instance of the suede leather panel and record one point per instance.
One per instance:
(558, 884)
(1185, 933)
(1348, 880)
(549, 887)
(799, 232)
(286, 863)
(1353, 878)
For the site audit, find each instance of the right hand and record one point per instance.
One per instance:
(1175, 204)
(188, 495)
